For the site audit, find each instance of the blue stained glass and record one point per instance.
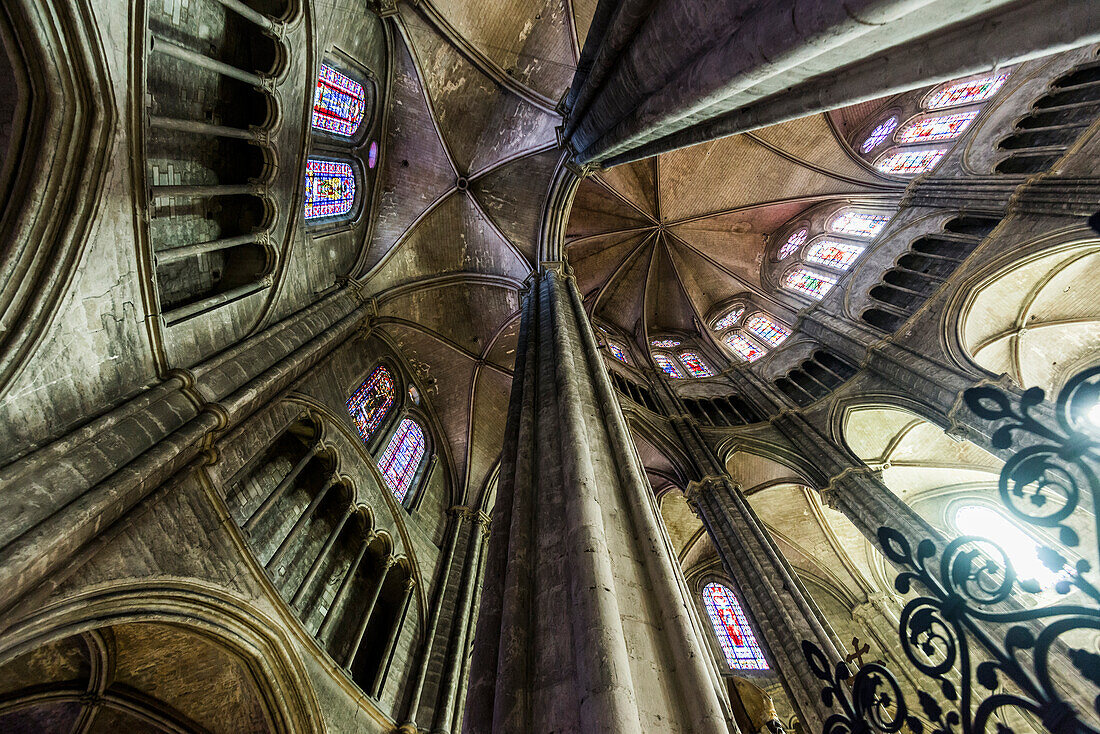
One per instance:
(767, 328)
(878, 135)
(330, 188)
(814, 285)
(369, 404)
(742, 347)
(732, 628)
(402, 458)
(617, 352)
(338, 103)
(667, 365)
(372, 155)
(793, 243)
(695, 365)
(729, 319)
(665, 343)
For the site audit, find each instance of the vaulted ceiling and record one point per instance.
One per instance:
(657, 244)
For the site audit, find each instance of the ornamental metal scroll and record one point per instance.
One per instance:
(984, 640)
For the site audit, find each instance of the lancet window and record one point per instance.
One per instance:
(338, 104)
(939, 127)
(731, 627)
(694, 364)
(402, 458)
(617, 352)
(729, 319)
(910, 162)
(330, 188)
(967, 92)
(858, 224)
(668, 365)
(808, 282)
(768, 329)
(369, 404)
(742, 347)
(832, 253)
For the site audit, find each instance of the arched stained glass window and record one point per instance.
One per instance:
(369, 404)
(402, 458)
(814, 285)
(338, 104)
(839, 255)
(1022, 550)
(858, 224)
(729, 319)
(793, 243)
(909, 162)
(879, 134)
(665, 343)
(767, 328)
(742, 347)
(735, 636)
(695, 365)
(975, 90)
(667, 365)
(940, 127)
(617, 352)
(330, 188)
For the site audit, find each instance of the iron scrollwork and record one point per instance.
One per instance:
(990, 643)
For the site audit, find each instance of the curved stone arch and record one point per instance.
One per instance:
(775, 451)
(391, 504)
(555, 214)
(1033, 278)
(657, 437)
(64, 115)
(229, 621)
(842, 408)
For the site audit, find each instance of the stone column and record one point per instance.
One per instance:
(780, 606)
(456, 656)
(583, 627)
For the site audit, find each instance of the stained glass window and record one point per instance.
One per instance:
(667, 365)
(942, 127)
(330, 188)
(839, 255)
(372, 155)
(879, 134)
(735, 636)
(369, 404)
(742, 347)
(617, 352)
(814, 285)
(793, 243)
(695, 365)
(402, 458)
(414, 395)
(858, 223)
(338, 103)
(767, 328)
(909, 162)
(665, 343)
(729, 319)
(976, 90)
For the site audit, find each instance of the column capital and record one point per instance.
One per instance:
(708, 484)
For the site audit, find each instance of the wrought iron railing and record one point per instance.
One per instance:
(966, 627)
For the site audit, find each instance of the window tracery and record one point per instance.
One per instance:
(808, 282)
(731, 627)
(833, 254)
(742, 347)
(330, 188)
(729, 319)
(879, 134)
(398, 464)
(793, 243)
(665, 343)
(371, 402)
(767, 328)
(338, 104)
